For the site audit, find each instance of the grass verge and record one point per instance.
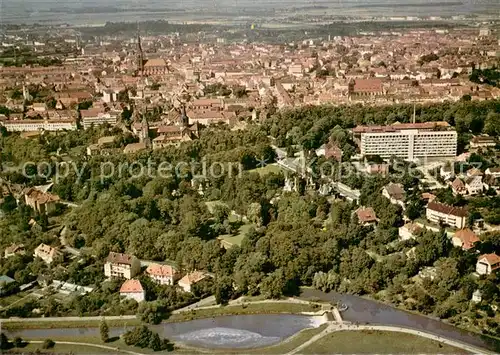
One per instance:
(379, 342)
(258, 308)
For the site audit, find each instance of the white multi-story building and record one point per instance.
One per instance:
(162, 274)
(121, 265)
(452, 216)
(408, 141)
(38, 125)
(97, 117)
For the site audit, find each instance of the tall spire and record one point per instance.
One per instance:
(140, 54)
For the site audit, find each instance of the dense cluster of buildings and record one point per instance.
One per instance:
(226, 82)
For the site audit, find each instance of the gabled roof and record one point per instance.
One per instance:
(131, 286)
(467, 237)
(447, 209)
(119, 258)
(492, 259)
(192, 278)
(160, 270)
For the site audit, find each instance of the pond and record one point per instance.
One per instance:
(244, 331)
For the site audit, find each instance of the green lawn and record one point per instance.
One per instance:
(380, 342)
(238, 238)
(8, 300)
(271, 168)
(63, 349)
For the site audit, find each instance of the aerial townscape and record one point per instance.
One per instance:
(276, 181)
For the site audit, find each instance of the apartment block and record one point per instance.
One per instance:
(408, 141)
(97, 117)
(121, 265)
(29, 125)
(441, 213)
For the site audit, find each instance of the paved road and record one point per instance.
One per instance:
(366, 311)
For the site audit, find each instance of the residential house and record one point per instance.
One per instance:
(366, 216)
(409, 231)
(395, 193)
(474, 185)
(47, 253)
(495, 172)
(41, 202)
(134, 147)
(483, 142)
(162, 274)
(133, 290)
(121, 265)
(187, 282)
(441, 213)
(458, 187)
(330, 150)
(487, 263)
(464, 238)
(13, 250)
(447, 172)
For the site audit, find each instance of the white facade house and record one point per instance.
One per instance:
(47, 253)
(187, 282)
(449, 215)
(409, 231)
(408, 141)
(132, 289)
(487, 263)
(495, 172)
(162, 274)
(121, 265)
(474, 185)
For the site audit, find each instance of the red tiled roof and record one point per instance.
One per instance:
(467, 237)
(160, 270)
(366, 215)
(131, 286)
(492, 259)
(192, 278)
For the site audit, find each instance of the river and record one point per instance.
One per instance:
(245, 331)
(363, 310)
(251, 331)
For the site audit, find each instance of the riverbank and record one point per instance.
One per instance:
(230, 310)
(368, 311)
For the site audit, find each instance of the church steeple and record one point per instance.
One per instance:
(184, 120)
(140, 54)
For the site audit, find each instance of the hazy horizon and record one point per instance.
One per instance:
(101, 11)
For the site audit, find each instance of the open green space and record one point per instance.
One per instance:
(63, 349)
(271, 168)
(378, 342)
